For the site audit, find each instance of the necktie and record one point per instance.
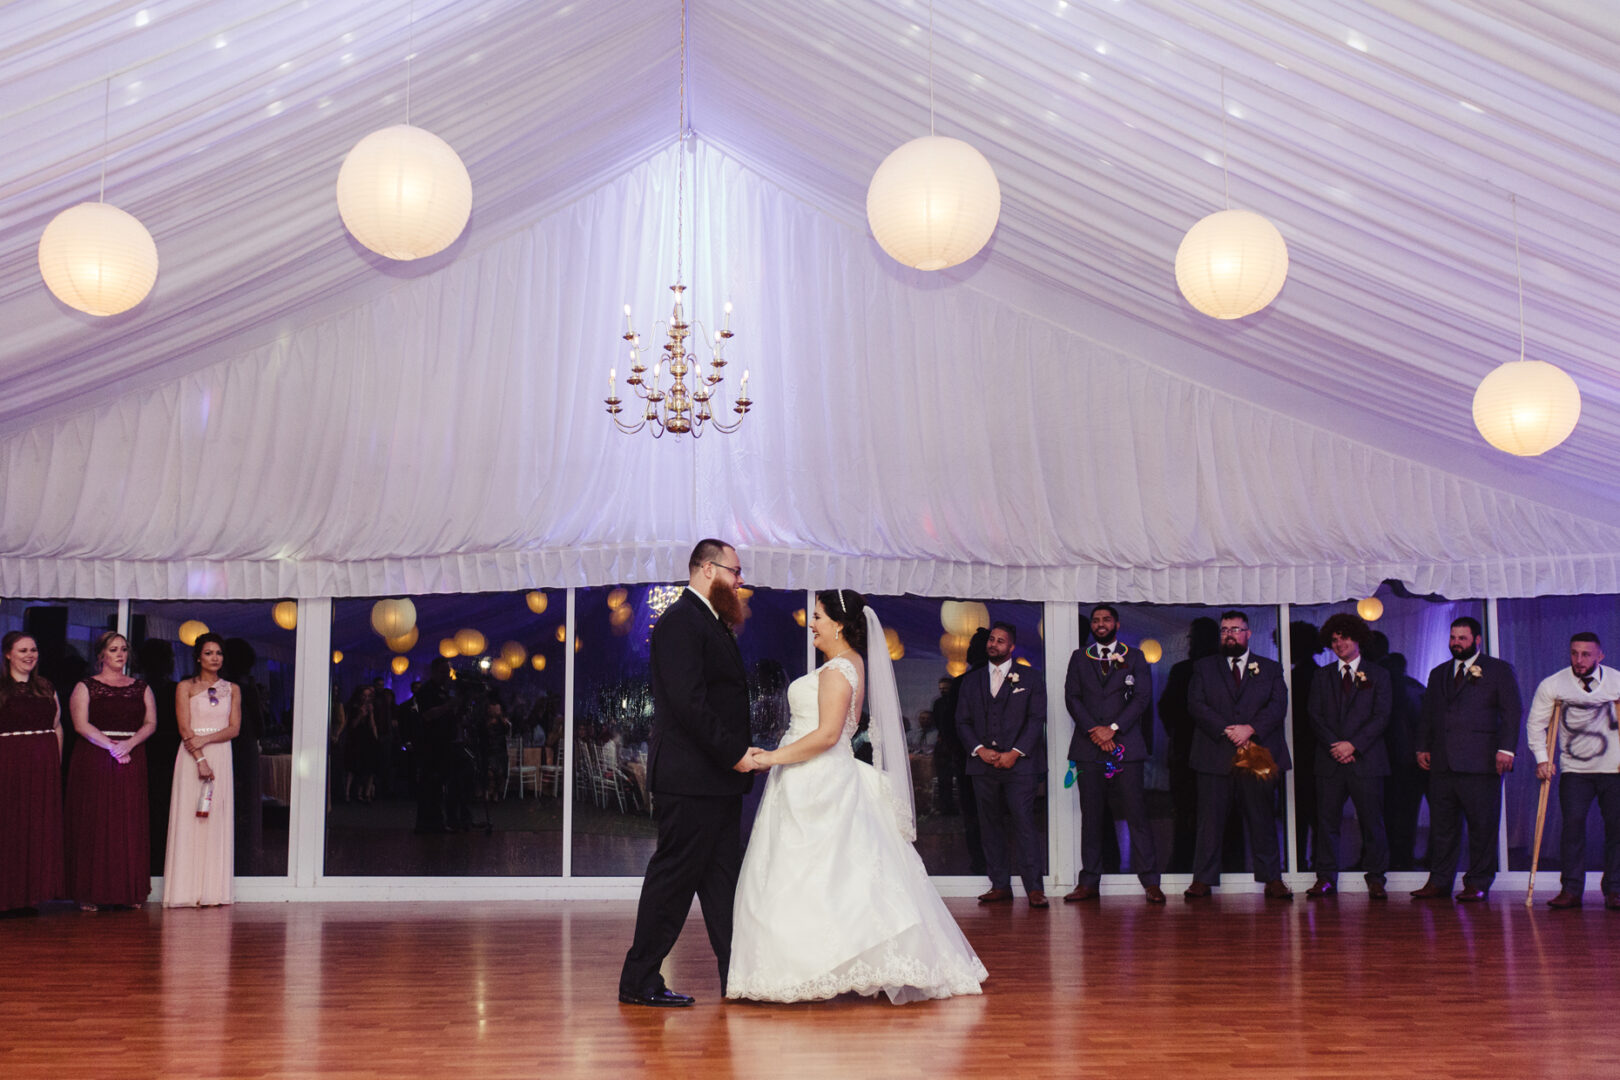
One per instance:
(1344, 680)
(1103, 659)
(1237, 672)
(995, 681)
(1586, 682)
(1457, 679)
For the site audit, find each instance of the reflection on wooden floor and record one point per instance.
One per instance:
(1238, 986)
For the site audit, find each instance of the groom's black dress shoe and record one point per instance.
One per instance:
(662, 999)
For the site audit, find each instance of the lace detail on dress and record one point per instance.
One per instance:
(99, 689)
(846, 667)
(890, 969)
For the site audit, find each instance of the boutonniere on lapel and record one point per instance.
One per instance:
(1475, 671)
(1361, 677)
(1012, 677)
(1118, 658)
(1130, 687)
(1254, 667)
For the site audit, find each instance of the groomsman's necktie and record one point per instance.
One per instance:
(1345, 681)
(1237, 672)
(1457, 679)
(1586, 682)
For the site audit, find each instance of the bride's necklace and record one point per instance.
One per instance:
(836, 656)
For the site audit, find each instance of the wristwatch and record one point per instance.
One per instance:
(1113, 727)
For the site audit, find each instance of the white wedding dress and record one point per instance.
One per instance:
(832, 898)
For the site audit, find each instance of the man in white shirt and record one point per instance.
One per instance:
(1589, 757)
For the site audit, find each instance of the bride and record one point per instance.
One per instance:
(832, 898)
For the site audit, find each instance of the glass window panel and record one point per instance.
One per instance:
(614, 833)
(1535, 640)
(1410, 638)
(258, 659)
(454, 778)
(1182, 633)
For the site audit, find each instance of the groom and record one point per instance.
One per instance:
(699, 769)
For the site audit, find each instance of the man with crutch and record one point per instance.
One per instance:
(1583, 697)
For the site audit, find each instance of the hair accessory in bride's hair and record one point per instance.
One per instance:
(843, 605)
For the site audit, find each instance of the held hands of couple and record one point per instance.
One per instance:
(753, 761)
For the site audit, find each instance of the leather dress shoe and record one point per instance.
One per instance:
(1197, 891)
(664, 998)
(1155, 895)
(1565, 899)
(1376, 890)
(1429, 892)
(1081, 892)
(996, 896)
(1323, 887)
(1276, 890)
(1037, 899)
(1612, 901)
(1471, 896)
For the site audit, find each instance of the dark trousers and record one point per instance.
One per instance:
(1455, 798)
(956, 793)
(1366, 793)
(1006, 799)
(1127, 794)
(1575, 794)
(1257, 802)
(699, 853)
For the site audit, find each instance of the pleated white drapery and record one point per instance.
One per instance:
(448, 435)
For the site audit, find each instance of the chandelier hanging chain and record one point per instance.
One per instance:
(678, 409)
(680, 162)
(1518, 272)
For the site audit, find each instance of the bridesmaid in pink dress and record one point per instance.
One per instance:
(108, 843)
(201, 862)
(30, 781)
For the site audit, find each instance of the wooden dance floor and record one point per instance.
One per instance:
(1235, 987)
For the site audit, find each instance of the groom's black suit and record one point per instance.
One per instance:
(700, 731)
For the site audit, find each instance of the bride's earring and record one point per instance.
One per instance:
(837, 634)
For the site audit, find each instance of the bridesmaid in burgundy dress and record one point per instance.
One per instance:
(30, 780)
(108, 846)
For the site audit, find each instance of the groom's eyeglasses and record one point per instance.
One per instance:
(735, 570)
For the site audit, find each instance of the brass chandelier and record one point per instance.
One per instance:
(678, 408)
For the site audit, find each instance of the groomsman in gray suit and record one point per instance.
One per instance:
(1237, 697)
(1466, 737)
(1002, 715)
(1109, 694)
(1349, 711)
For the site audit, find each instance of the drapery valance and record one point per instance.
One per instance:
(448, 436)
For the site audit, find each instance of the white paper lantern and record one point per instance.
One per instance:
(1371, 609)
(191, 630)
(285, 614)
(399, 665)
(469, 641)
(1527, 407)
(393, 618)
(404, 193)
(933, 203)
(1231, 264)
(1151, 650)
(98, 259)
(405, 642)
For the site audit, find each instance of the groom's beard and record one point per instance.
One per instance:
(731, 608)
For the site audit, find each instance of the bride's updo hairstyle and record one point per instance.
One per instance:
(847, 608)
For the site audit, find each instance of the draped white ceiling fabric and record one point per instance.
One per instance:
(290, 415)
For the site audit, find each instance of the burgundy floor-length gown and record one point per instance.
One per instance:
(108, 842)
(30, 802)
